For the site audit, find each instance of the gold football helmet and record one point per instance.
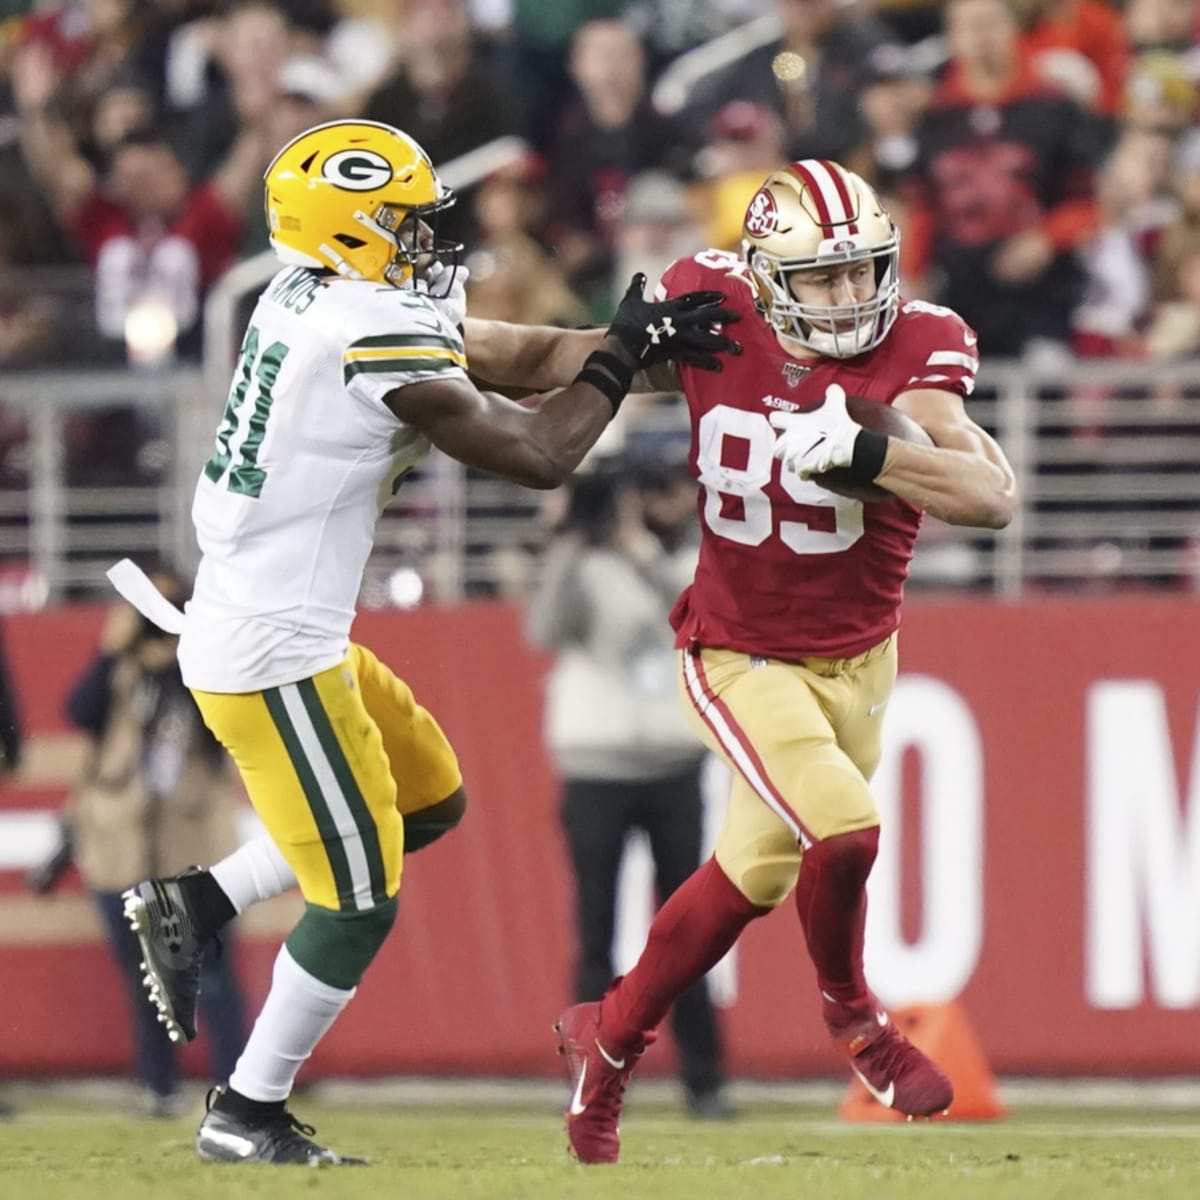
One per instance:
(337, 197)
(815, 214)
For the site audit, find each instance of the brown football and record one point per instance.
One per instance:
(881, 418)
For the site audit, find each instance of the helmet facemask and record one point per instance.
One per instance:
(413, 263)
(836, 331)
(815, 216)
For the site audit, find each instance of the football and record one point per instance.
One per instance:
(881, 418)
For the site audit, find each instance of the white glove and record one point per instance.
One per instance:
(454, 305)
(812, 442)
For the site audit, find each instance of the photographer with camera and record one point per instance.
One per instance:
(156, 794)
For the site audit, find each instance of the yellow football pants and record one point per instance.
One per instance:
(331, 765)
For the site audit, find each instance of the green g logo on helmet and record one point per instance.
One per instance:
(359, 170)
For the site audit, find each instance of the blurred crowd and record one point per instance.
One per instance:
(1041, 155)
(1042, 158)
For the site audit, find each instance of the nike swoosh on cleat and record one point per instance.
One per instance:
(886, 1097)
(617, 1064)
(577, 1105)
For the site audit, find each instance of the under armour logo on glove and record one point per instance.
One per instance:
(658, 332)
(682, 329)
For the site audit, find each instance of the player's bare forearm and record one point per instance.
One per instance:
(536, 357)
(961, 486)
(964, 478)
(536, 445)
(522, 359)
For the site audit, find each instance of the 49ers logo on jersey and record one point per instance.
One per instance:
(357, 170)
(762, 215)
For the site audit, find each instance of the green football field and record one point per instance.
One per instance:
(57, 1148)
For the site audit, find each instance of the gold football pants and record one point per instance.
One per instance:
(331, 765)
(802, 738)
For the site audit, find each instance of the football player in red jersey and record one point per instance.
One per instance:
(787, 635)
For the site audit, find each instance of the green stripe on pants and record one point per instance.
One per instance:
(350, 789)
(330, 838)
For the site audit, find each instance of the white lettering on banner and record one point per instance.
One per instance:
(928, 717)
(1143, 867)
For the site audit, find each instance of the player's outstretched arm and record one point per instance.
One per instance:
(963, 478)
(535, 358)
(540, 445)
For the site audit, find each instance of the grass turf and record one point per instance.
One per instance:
(56, 1150)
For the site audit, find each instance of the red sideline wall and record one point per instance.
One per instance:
(1042, 859)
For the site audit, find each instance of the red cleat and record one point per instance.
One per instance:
(892, 1069)
(598, 1079)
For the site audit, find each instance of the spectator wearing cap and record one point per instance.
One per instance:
(745, 145)
(894, 96)
(810, 77)
(656, 229)
(1002, 192)
(308, 91)
(513, 196)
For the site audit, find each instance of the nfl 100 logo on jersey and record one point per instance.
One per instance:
(794, 373)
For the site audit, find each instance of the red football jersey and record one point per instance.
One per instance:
(787, 569)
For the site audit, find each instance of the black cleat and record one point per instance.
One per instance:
(279, 1139)
(172, 951)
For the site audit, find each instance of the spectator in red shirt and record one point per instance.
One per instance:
(151, 235)
(1002, 192)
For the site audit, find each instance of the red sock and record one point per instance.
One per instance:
(689, 935)
(831, 898)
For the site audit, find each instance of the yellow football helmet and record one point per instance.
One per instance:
(337, 197)
(813, 214)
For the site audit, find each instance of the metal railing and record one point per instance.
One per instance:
(100, 462)
(1106, 456)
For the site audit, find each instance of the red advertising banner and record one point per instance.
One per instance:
(1041, 859)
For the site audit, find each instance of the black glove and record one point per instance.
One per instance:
(676, 330)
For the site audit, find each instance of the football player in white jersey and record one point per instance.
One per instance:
(349, 372)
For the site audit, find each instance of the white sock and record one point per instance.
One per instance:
(297, 1012)
(255, 871)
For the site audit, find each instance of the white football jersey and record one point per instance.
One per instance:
(306, 456)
